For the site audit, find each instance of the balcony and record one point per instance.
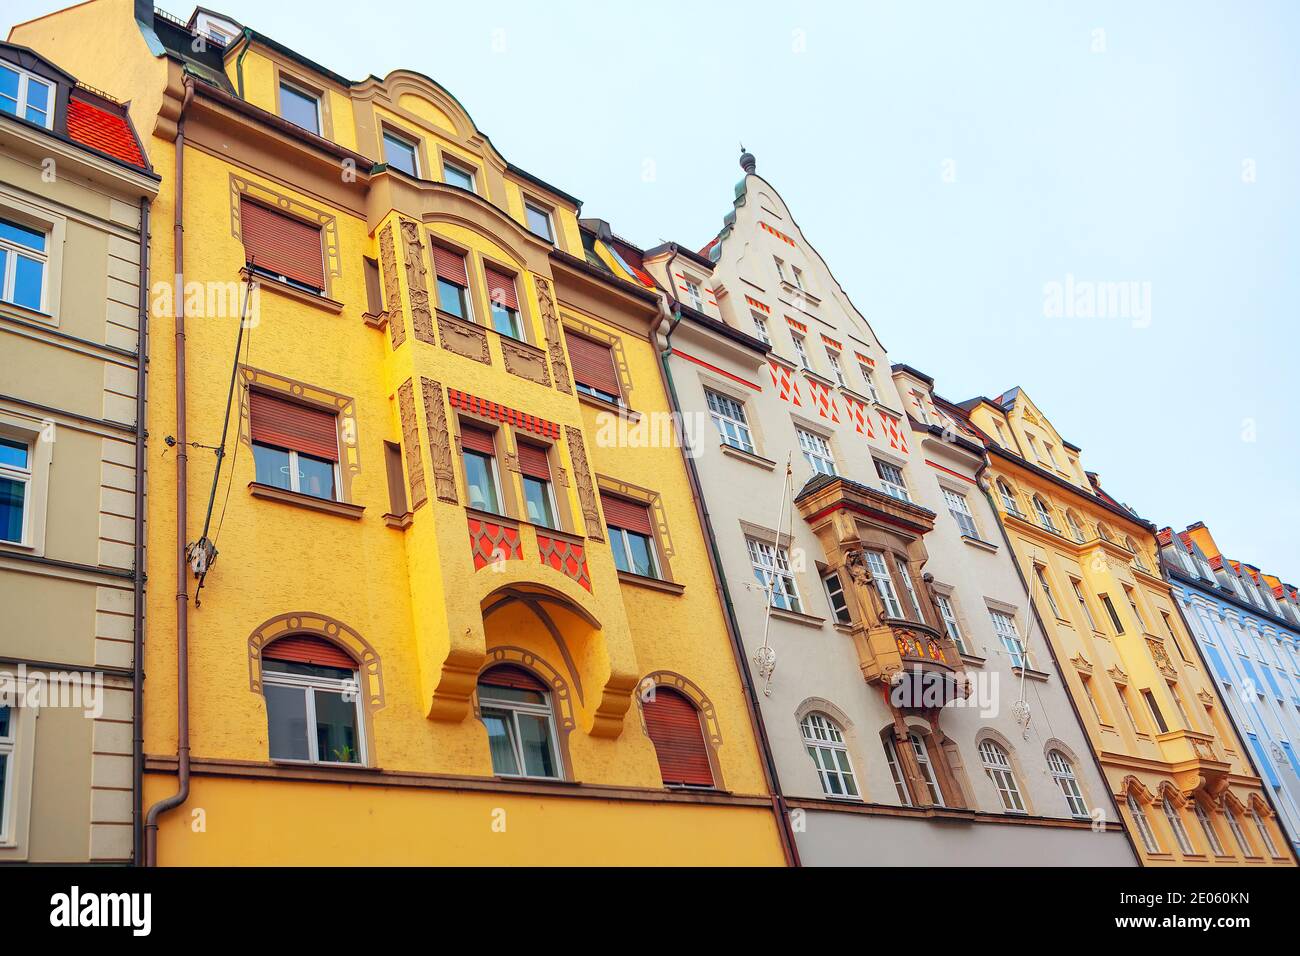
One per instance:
(1194, 761)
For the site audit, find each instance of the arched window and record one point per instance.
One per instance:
(1104, 532)
(516, 709)
(1063, 774)
(1008, 497)
(1263, 832)
(673, 723)
(1235, 826)
(825, 743)
(1043, 512)
(312, 701)
(1076, 529)
(997, 764)
(1176, 824)
(1207, 826)
(1142, 824)
(927, 768)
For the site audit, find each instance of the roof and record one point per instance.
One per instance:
(107, 132)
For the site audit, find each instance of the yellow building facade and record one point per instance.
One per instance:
(1176, 767)
(447, 600)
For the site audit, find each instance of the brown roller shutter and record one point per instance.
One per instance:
(450, 266)
(674, 727)
(533, 462)
(593, 364)
(477, 439)
(629, 515)
(281, 244)
(501, 288)
(374, 293)
(507, 675)
(396, 480)
(287, 424)
(308, 650)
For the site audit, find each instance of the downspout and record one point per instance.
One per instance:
(182, 490)
(247, 37)
(137, 687)
(771, 778)
(982, 483)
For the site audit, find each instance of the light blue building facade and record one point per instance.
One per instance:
(1248, 631)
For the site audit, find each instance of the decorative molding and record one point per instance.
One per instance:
(526, 361)
(502, 413)
(416, 286)
(392, 291)
(554, 340)
(615, 342)
(411, 438)
(565, 555)
(328, 224)
(1117, 675)
(435, 423)
(326, 628)
(1081, 664)
(692, 692)
(464, 338)
(492, 541)
(582, 478)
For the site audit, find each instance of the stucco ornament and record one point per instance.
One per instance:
(1023, 714)
(765, 661)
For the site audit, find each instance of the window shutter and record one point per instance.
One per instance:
(630, 515)
(450, 266)
(287, 424)
(308, 650)
(593, 364)
(396, 480)
(477, 439)
(532, 461)
(374, 293)
(507, 675)
(501, 288)
(674, 727)
(281, 244)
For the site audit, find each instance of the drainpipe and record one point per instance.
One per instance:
(771, 778)
(247, 37)
(182, 490)
(983, 484)
(137, 686)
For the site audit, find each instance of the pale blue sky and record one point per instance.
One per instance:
(1119, 165)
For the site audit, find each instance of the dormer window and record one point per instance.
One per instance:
(454, 174)
(25, 95)
(538, 218)
(693, 295)
(300, 107)
(401, 153)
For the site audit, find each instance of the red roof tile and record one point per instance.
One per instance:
(104, 131)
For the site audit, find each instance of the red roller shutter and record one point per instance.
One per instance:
(477, 439)
(450, 266)
(286, 424)
(501, 288)
(593, 364)
(629, 515)
(308, 650)
(507, 675)
(281, 244)
(674, 727)
(532, 461)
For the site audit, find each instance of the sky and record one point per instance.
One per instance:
(956, 164)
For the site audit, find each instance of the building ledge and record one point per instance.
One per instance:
(293, 292)
(654, 584)
(979, 543)
(796, 617)
(341, 508)
(401, 522)
(613, 408)
(747, 456)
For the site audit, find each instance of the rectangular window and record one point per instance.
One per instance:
(895, 772)
(780, 268)
(1041, 575)
(397, 505)
(504, 302)
(835, 594)
(539, 495)
(295, 446)
(693, 295)
(312, 712)
(905, 576)
(478, 451)
(884, 584)
(282, 246)
(1158, 717)
(1128, 710)
(374, 286)
(1091, 694)
(771, 565)
(891, 480)
(453, 283)
(401, 153)
(26, 96)
(918, 399)
(631, 535)
(300, 107)
(817, 452)
(1004, 626)
(798, 276)
(729, 417)
(23, 261)
(801, 351)
(1111, 612)
(950, 621)
(837, 372)
(6, 771)
(1132, 603)
(960, 511)
(869, 380)
(454, 174)
(1077, 585)
(1033, 445)
(760, 329)
(538, 219)
(1051, 455)
(593, 368)
(15, 489)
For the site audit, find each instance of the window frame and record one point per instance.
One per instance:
(905, 576)
(1062, 770)
(821, 733)
(951, 624)
(837, 371)
(514, 708)
(1174, 818)
(306, 93)
(1269, 846)
(768, 572)
(839, 611)
(901, 788)
(309, 685)
(1111, 612)
(1015, 649)
(895, 489)
(801, 351)
(13, 251)
(961, 513)
(464, 168)
(1043, 512)
(22, 100)
(1207, 826)
(24, 477)
(764, 332)
(652, 550)
(814, 455)
(1040, 573)
(884, 582)
(1142, 824)
(295, 475)
(9, 757)
(722, 416)
(1077, 585)
(998, 767)
(387, 133)
(548, 216)
(869, 380)
(921, 753)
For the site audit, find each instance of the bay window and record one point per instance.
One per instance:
(504, 302)
(452, 283)
(884, 584)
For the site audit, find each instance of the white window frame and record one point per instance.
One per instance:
(817, 451)
(694, 295)
(1004, 626)
(780, 268)
(295, 474)
(547, 216)
(1040, 573)
(998, 767)
(1207, 826)
(22, 476)
(895, 487)
(801, 351)
(1175, 821)
(464, 169)
(728, 416)
(1267, 837)
(824, 741)
(549, 487)
(896, 771)
(771, 564)
(621, 534)
(1238, 834)
(13, 250)
(306, 94)
(1143, 824)
(1077, 585)
(1063, 773)
(884, 582)
(835, 587)
(1008, 497)
(496, 480)
(922, 755)
(309, 685)
(1043, 511)
(8, 754)
(869, 379)
(906, 578)
(796, 275)
(414, 146)
(1076, 529)
(760, 327)
(833, 358)
(949, 615)
(514, 708)
(25, 79)
(959, 508)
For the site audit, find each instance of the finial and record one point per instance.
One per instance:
(747, 161)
